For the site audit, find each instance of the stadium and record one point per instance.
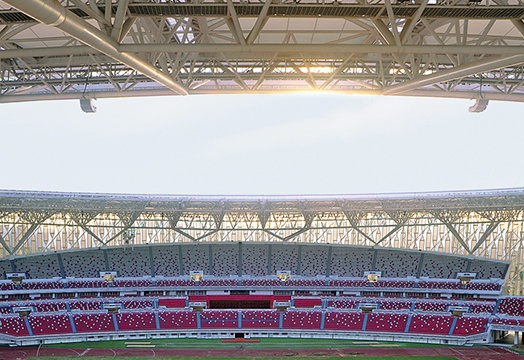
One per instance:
(352, 274)
(437, 268)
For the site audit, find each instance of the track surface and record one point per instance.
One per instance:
(463, 353)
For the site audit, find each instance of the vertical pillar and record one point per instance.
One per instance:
(239, 315)
(516, 338)
(115, 322)
(72, 321)
(157, 320)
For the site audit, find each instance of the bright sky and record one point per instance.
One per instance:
(261, 145)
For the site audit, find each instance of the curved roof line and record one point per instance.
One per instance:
(464, 194)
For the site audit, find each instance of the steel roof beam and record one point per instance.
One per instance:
(53, 13)
(472, 68)
(308, 49)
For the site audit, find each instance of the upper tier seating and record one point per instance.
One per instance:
(39, 267)
(350, 262)
(255, 259)
(129, 262)
(166, 261)
(225, 260)
(195, 258)
(284, 258)
(396, 264)
(83, 264)
(488, 269)
(438, 266)
(314, 260)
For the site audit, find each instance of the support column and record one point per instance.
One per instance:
(516, 338)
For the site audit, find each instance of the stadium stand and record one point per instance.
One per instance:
(313, 261)
(225, 260)
(50, 324)
(344, 320)
(386, 322)
(177, 319)
(442, 267)
(487, 269)
(129, 262)
(195, 258)
(218, 319)
(260, 319)
(166, 261)
(434, 324)
(350, 261)
(39, 267)
(255, 259)
(302, 319)
(136, 320)
(239, 294)
(83, 264)
(469, 325)
(512, 306)
(284, 257)
(93, 322)
(13, 325)
(395, 264)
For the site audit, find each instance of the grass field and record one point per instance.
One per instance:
(265, 343)
(283, 358)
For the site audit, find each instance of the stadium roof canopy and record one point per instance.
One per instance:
(486, 224)
(73, 49)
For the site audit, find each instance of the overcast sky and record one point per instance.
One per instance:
(269, 144)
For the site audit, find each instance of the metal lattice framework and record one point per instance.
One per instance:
(485, 224)
(70, 49)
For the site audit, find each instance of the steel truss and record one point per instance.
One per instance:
(72, 49)
(488, 225)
